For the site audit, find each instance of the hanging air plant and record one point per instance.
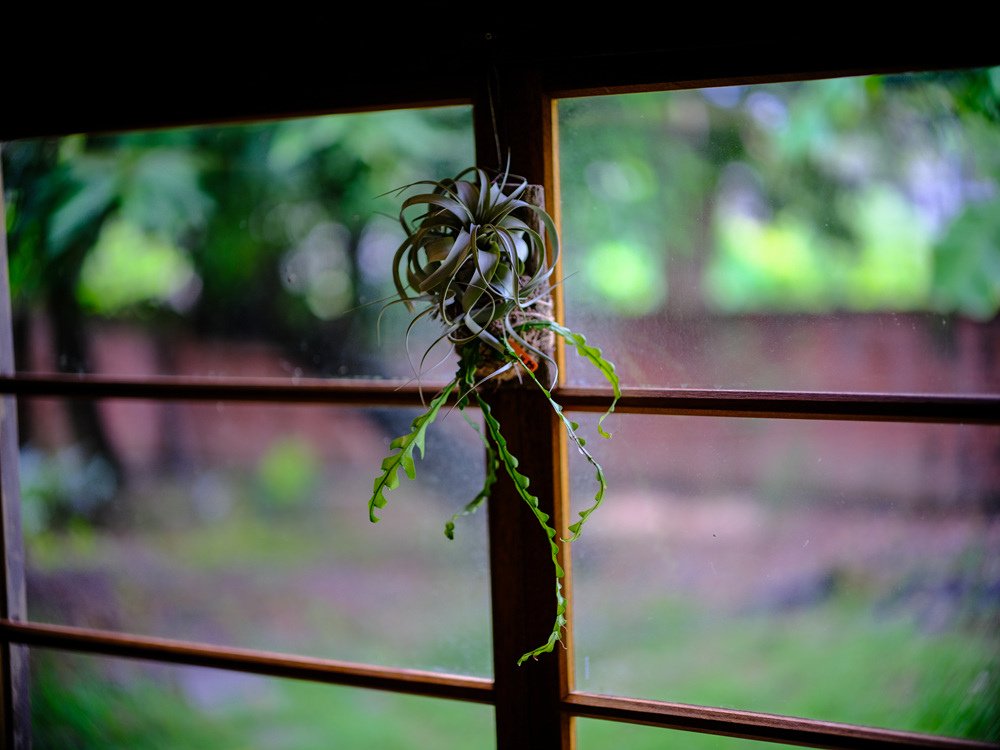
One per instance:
(474, 259)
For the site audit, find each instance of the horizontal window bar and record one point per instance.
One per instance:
(753, 726)
(892, 407)
(413, 682)
(302, 390)
(897, 407)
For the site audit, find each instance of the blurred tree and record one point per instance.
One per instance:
(55, 208)
(838, 194)
(247, 231)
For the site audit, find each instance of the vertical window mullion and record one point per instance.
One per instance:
(15, 711)
(512, 112)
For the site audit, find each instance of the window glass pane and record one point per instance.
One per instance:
(259, 249)
(247, 525)
(839, 234)
(88, 702)
(843, 571)
(593, 734)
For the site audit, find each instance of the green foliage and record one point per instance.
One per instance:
(288, 473)
(404, 446)
(628, 275)
(789, 264)
(74, 706)
(63, 489)
(840, 194)
(880, 668)
(967, 264)
(128, 267)
(79, 703)
(236, 204)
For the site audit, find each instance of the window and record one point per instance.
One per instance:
(538, 704)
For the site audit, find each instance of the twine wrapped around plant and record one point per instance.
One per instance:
(476, 260)
(538, 338)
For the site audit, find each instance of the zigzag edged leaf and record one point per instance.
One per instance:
(404, 446)
(521, 483)
(594, 355)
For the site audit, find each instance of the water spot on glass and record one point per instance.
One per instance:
(982, 679)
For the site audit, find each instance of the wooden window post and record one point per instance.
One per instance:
(513, 115)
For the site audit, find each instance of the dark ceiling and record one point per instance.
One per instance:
(87, 85)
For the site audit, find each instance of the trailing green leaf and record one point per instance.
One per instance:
(521, 483)
(593, 355)
(403, 457)
(571, 428)
(556, 633)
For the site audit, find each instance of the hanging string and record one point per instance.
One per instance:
(493, 83)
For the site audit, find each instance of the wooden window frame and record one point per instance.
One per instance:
(535, 704)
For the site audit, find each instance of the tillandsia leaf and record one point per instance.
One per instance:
(438, 248)
(467, 193)
(386, 306)
(521, 483)
(396, 262)
(482, 334)
(467, 372)
(403, 457)
(550, 226)
(542, 268)
(456, 208)
(464, 243)
(483, 195)
(423, 357)
(496, 373)
(406, 341)
(504, 282)
(486, 266)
